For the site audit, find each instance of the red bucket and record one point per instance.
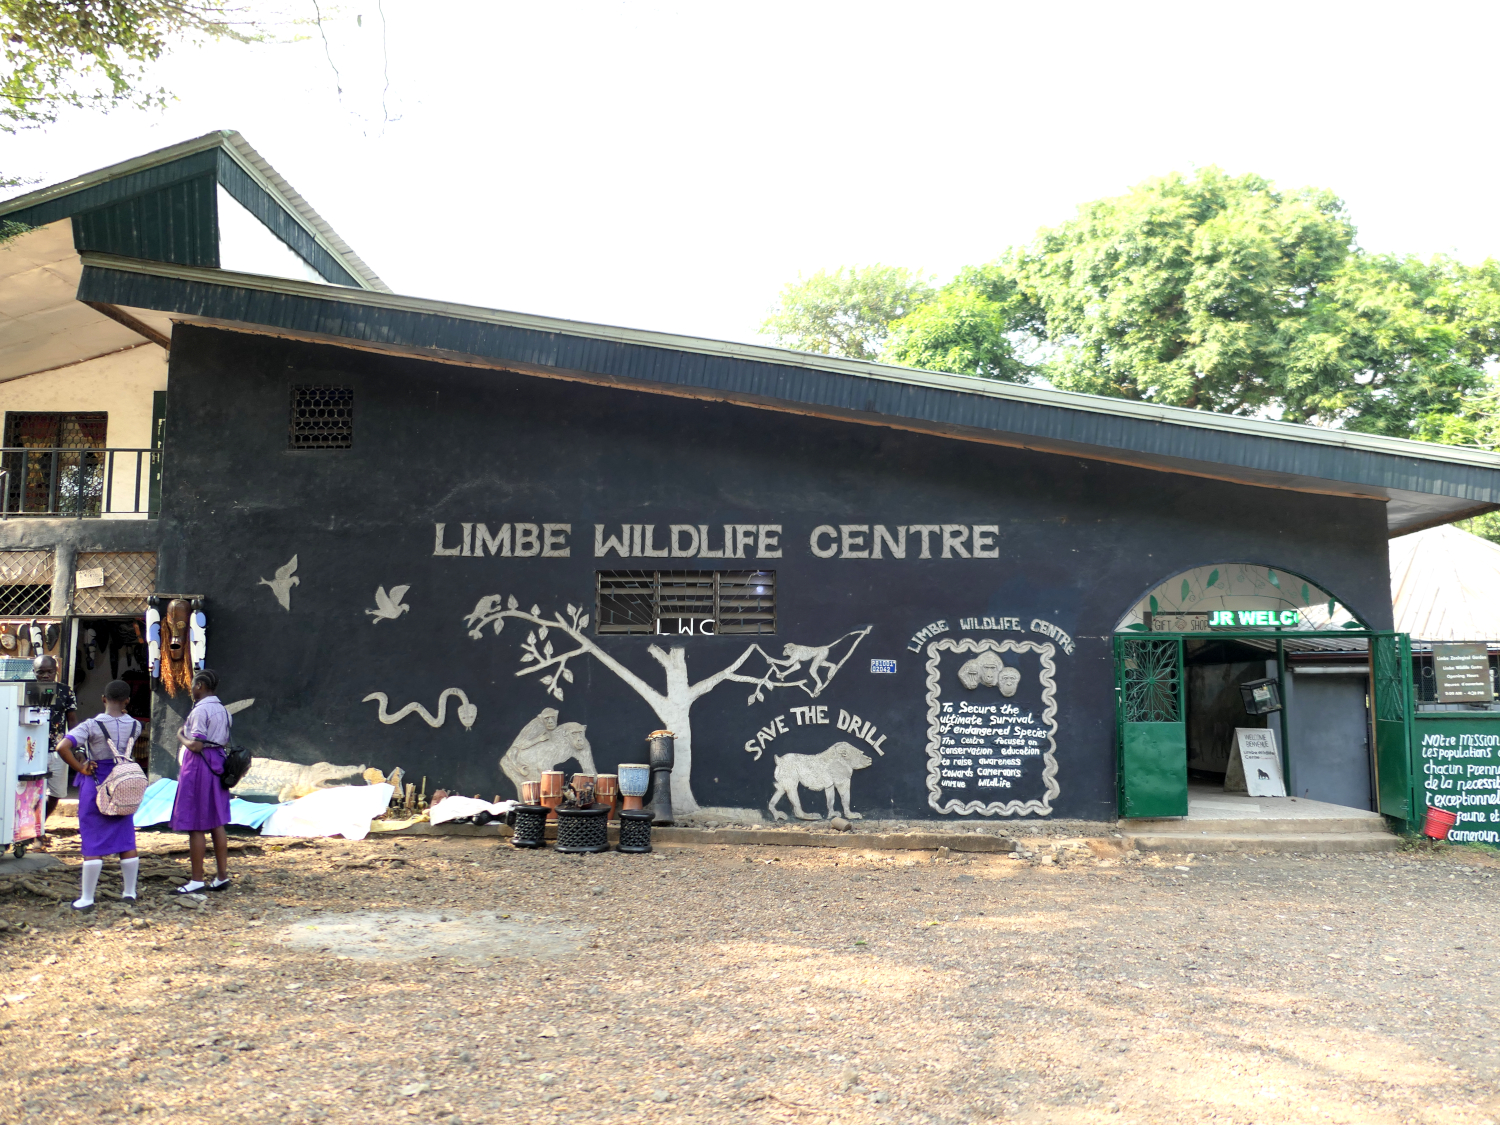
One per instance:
(1438, 822)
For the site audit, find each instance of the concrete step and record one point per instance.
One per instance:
(1341, 825)
(1305, 843)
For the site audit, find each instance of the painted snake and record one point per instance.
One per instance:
(467, 712)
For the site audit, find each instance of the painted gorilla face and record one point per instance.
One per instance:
(990, 667)
(968, 675)
(1010, 679)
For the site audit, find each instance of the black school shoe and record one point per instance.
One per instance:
(224, 886)
(128, 900)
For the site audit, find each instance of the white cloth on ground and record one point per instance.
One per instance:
(456, 808)
(345, 810)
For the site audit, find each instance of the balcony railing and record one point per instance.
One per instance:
(80, 483)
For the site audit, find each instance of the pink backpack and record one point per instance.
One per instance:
(123, 789)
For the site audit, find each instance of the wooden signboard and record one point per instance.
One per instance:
(1463, 674)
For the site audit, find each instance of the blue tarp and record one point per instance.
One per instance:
(156, 807)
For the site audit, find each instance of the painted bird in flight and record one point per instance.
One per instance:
(282, 584)
(388, 607)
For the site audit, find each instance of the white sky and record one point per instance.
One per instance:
(671, 166)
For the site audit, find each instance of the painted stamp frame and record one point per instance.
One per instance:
(1039, 807)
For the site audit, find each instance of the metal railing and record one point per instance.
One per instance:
(79, 483)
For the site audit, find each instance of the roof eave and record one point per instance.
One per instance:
(1455, 477)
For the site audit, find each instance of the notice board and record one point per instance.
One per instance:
(1459, 770)
(1462, 673)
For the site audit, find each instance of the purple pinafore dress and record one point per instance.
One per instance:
(202, 802)
(99, 834)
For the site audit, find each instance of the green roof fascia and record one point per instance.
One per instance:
(227, 159)
(1256, 451)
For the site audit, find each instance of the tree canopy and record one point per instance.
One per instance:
(847, 312)
(94, 53)
(1216, 292)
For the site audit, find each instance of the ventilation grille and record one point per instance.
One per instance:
(129, 576)
(25, 583)
(322, 418)
(702, 602)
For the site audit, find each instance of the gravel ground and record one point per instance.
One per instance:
(457, 980)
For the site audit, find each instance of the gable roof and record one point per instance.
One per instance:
(1445, 586)
(1420, 483)
(163, 206)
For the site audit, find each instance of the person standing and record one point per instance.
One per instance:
(105, 739)
(201, 807)
(64, 717)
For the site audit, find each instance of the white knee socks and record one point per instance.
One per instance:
(129, 869)
(91, 869)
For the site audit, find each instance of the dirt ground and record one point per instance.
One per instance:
(461, 981)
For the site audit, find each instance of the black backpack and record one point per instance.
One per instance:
(236, 762)
(236, 765)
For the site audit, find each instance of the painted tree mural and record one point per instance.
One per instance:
(815, 667)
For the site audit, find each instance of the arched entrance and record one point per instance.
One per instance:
(1228, 648)
(1197, 600)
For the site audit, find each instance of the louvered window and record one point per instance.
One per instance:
(672, 602)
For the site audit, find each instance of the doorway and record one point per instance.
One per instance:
(114, 648)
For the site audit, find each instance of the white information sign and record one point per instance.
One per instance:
(89, 579)
(1261, 761)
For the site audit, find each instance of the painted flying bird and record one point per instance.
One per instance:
(388, 607)
(282, 585)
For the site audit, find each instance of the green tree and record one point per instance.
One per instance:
(847, 312)
(1187, 290)
(94, 53)
(978, 324)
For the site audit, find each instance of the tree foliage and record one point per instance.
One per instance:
(94, 53)
(979, 324)
(847, 312)
(1221, 293)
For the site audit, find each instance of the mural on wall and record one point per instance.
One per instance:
(282, 584)
(990, 755)
(544, 745)
(388, 607)
(988, 670)
(674, 705)
(829, 772)
(466, 711)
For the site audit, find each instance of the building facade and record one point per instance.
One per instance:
(477, 544)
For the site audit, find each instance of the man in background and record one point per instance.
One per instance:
(64, 718)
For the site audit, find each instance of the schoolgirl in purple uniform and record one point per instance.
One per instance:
(104, 739)
(201, 806)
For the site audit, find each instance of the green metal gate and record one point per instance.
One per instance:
(1152, 722)
(1391, 685)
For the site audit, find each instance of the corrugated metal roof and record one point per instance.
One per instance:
(1445, 586)
(1423, 483)
(224, 157)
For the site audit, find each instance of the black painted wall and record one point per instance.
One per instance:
(1078, 543)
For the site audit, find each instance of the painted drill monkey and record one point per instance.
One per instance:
(829, 771)
(797, 654)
